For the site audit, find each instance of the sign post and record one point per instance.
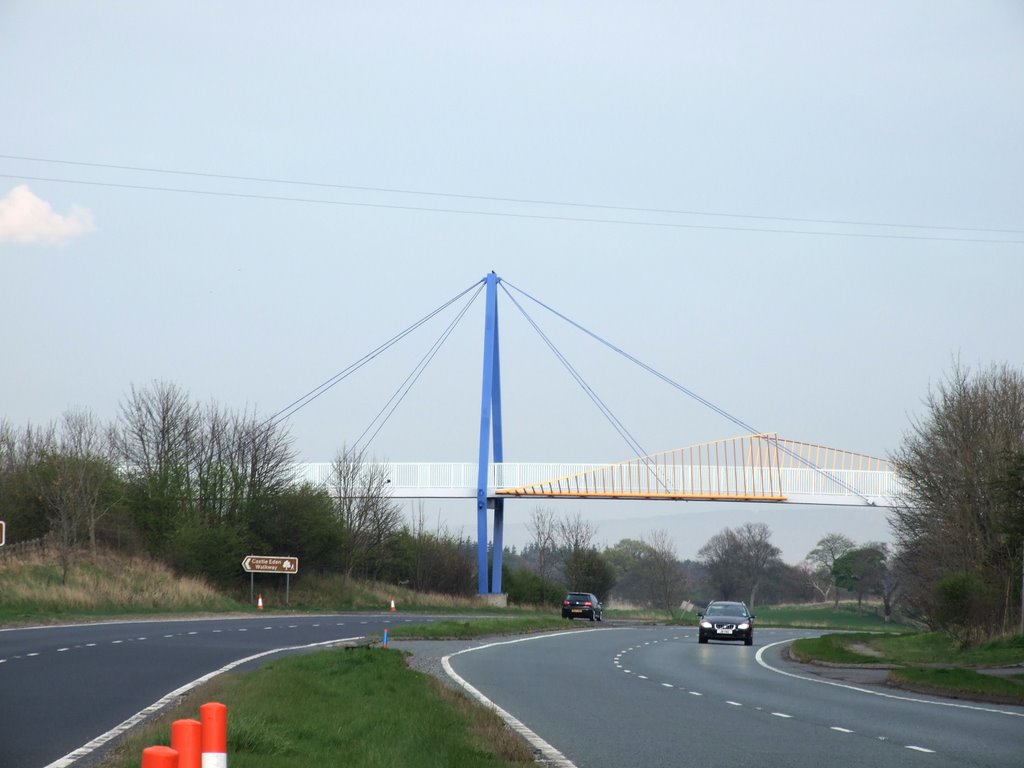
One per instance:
(3, 533)
(271, 564)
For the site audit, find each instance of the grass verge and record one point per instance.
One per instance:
(928, 662)
(846, 616)
(836, 649)
(360, 707)
(99, 585)
(960, 683)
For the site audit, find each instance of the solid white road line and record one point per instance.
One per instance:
(138, 717)
(552, 756)
(760, 660)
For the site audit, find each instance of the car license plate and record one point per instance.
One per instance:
(725, 631)
(577, 610)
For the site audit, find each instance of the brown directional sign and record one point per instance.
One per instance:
(270, 564)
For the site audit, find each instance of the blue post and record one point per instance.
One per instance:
(499, 504)
(490, 400)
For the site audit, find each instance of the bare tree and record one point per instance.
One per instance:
(157, 429)
(739, 559)
(953, 523)
(721, 555)
(759, 554)
(662, 571)
(817, 578)
(370, 518)
(21, 452)
(79, 464)
(829, 548)
(576, 534)
(199, 466)
(542, 527)
(260, 457)
(585, 568)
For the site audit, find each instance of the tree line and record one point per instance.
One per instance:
(202, 486)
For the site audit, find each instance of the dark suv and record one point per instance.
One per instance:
(724, 620)
(583, 605)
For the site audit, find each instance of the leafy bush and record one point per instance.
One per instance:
(966, 607)
(524, 587)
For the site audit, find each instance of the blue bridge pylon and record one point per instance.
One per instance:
(490, 427)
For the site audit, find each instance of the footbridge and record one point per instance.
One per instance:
(751, 468)
(756, 467)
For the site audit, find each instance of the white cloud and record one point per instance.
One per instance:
(25, 218)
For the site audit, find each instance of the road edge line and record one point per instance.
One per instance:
(87, 749)
(883, 694)
(551, 755)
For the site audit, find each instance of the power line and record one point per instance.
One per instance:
(511, 215)
(494, 198)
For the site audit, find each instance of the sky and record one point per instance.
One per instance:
(804, 212)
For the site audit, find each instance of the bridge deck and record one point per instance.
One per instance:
(794, 485)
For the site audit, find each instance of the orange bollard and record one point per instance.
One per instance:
(259, 602)
(159, 757)
(215, 735)
(392, 603)
(186, 737)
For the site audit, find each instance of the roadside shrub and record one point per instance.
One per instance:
(966, 607)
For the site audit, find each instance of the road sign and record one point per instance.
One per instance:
(270, 564)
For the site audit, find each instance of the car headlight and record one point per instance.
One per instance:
(706, 624)
(744, 625)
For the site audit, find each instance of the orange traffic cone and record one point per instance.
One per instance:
(259, 602)
(392, 603)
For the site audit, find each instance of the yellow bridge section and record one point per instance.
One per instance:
(762, 468)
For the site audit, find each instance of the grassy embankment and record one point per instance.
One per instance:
(356, 707)
(929, 662)
(104, 586)
(109, 586)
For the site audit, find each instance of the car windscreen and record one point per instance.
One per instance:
(725, 610)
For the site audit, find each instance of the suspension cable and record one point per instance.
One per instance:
(406, 386)
(690, 393)
(301, 402)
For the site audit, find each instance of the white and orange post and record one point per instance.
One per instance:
(214, 717)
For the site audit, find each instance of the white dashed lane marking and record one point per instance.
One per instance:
(170, 636)
(781, 715)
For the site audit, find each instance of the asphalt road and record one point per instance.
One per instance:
(62, 687)
(653, 697)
